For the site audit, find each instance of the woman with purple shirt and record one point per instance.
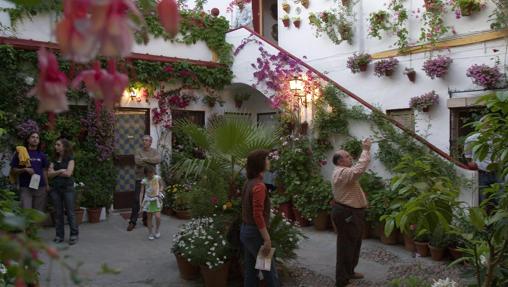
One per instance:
(32, 197)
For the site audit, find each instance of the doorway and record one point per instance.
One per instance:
(265, 13)
(130, 126)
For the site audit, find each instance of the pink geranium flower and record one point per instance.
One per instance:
(106, 85)
(51, 87)
(169, 16)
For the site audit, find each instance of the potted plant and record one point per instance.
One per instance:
(385, 67)
(485, 76)
(286, 21)
(437, 244)
(359, 62)
(468, 7)
(346, 3)
(168, 200)
(297, 21)
(286, 7)
(345, 29)
(212, 253)
(211, 100)
(378, 22)
(95, 199)
(182, 248)
(305, 3)
(422, 244)
(409, 243)
(282, 201)
(424, 102)
(78, 211)
(410, 73)
(181, 201)
(437, 67)
(239, 98)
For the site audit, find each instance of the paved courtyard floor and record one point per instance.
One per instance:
(143, 263)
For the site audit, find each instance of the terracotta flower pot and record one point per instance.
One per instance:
(286, 22)
(426, 109)
(412, 76)
(94, 214)
(436, 253)
(366, 231)
(321, 221)
(215, 12)
(363, 67)
(167, 211)
(409, 243)
(217, 277)
(388, 73)
(78, 213)
(188, 271)
(183, 214)
(286, 209)
(455, 253)
(345, 2)
(422, 248)
(297, 23)
(299, 218)
(390, 240)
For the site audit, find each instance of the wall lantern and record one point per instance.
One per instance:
(134, 94)
(297, 86)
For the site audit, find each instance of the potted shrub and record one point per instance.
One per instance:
(239, 98)
(305, 3)
(286, 21)
(78, 211)
(297, 21)
(95, 198)
(437, 67)
(345, 29)
(212, 253)
(468, 7)
(181, 202)
(422, 244)
(169, 199)
(437, 244)
(424, 102)
(410, 73)
(181, 248)
(409, 243)
(385, 67)
(359, 62)
(286, 7)
(378, 22)
(485, 76)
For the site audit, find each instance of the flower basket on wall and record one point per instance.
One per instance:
(297, 22)
(424, 102)
(239, 98)
(437, 67)
(468, 7)
(286, 21)
(385, 67)
(485, 76)
(359, 62)
(411, 74)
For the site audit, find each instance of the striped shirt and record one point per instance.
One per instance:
(345, 185)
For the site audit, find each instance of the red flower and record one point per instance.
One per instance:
(51, 87)
(169, 16)
(107, 85)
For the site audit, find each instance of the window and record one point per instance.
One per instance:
(239, 116)
(405, 117)
(459, 128)
(268, 120)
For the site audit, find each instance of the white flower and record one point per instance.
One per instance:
(483, 260)
(3, 270)
(444, 283)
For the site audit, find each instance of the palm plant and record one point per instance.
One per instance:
(225, 144)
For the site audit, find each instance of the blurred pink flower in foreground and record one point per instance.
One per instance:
(169, 16)
(105, 85)
(51, 87)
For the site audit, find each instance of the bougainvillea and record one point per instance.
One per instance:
(437, 67)
(484, 75)
(99, 124)
(26, 128)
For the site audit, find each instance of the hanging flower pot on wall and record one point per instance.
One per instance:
(215, 12)
(305, 3)
(286, 21)
(424, 102)
(286, 7)
(411, 74)
(297, 22)
(358, 62)
(345, 3)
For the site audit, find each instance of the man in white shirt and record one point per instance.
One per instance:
(242, 15)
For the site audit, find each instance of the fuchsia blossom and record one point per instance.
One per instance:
(169, 16)
(51, 87)
(106, 85)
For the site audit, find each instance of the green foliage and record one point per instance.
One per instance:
(379, 21)
(208, 197)
(285, 238)
(353, 146)
(499, 18)
(332, 122)
(380, 198)
(99, 178)
(411, 281)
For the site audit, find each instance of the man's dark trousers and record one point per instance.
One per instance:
(136, 204)
(349, 223)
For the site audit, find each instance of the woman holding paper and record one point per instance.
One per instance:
(255, 218)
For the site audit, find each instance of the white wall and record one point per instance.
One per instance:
(396, 91)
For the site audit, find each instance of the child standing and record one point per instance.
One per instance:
(151, 193)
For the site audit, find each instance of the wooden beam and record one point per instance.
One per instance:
(457, 42)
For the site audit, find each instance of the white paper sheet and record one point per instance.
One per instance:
(264, 263)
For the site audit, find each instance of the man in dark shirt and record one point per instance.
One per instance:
(32, 197)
